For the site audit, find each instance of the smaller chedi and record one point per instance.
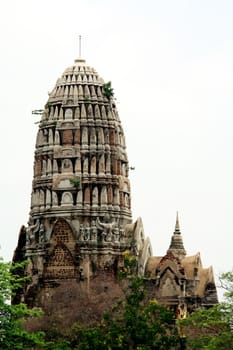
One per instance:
(178, 279)
(80, 221)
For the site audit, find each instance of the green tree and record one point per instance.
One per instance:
(12, 333)
(135, 323)
(142, 323)
(212, 329)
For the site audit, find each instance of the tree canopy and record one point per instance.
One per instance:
(212, 329)
(135, 323)
(12, 333)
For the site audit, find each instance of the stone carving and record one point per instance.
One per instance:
(107, 229)
(31, 231)
(116, 234)
(41, 233)
(86, 236)
(93, 231)
(84, 232)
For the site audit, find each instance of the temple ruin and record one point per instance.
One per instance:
(80, 221)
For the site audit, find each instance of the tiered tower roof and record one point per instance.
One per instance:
(81, 196)
(176, 245)
(81, 164)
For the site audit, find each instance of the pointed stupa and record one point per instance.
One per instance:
(81, 198)
(176, 245)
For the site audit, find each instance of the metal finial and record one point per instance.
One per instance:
(80, 45)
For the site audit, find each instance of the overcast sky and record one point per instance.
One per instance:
(171, 66)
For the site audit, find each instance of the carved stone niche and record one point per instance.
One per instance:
(67, 199)
(68, 113)
(67, 166)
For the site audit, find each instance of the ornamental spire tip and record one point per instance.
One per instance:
(177, 226)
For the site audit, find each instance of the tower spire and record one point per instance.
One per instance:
(176, 245)
(80, 46)
(79, 60)
(177, 226)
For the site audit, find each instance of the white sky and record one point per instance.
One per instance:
(171, 66)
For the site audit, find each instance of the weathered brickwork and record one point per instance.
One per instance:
(62, 231)
(67, 137)
(77, 137)
(60, 264)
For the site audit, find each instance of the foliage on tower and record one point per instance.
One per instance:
(108, 90)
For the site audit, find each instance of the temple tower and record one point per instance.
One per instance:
(80, 222)
(80, 203)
